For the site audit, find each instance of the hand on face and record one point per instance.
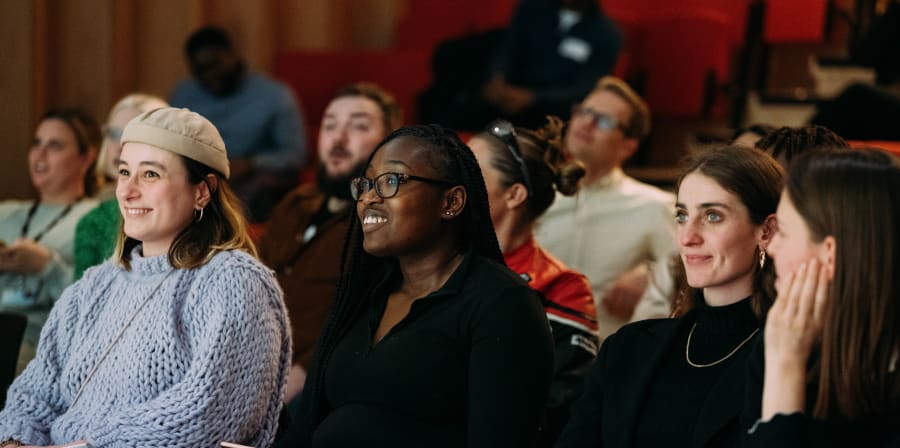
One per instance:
(794, 322)
(24, 257)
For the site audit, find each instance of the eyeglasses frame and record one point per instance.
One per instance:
(596, 116)
(402, 178)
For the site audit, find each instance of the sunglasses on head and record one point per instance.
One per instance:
(506, 133)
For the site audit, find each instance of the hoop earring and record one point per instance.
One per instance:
(762, 258)
(200, 217)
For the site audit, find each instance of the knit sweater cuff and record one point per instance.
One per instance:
(24, 433)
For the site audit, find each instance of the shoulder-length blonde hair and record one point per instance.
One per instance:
(223, 226)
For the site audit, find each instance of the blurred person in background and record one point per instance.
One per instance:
(36, 258)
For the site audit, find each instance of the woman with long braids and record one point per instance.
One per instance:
(432, 341)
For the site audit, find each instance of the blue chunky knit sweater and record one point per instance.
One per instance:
(205, 360)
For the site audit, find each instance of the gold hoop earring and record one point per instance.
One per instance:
(762, 258)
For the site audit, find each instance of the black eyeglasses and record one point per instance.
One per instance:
(506, 132)
(603, 121)
(388, 184)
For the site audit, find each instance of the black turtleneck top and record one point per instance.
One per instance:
(678, 390)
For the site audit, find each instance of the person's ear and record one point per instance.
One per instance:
(454, 202)
(89, 157)
(515, 196)
(204, 191)
(767, 231)
(828, 250)
(629, 147)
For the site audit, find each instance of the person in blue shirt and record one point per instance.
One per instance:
(257, 116)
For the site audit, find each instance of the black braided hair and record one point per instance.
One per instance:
(454, 162)
(786, 143)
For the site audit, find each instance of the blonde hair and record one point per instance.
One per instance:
(141, 102)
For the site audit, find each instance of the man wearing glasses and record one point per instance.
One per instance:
(305, 234)
(616, 230)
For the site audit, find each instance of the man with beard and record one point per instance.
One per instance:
(307, 228)
(257, 116)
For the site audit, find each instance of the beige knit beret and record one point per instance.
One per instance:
(182, 132)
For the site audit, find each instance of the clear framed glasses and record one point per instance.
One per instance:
(603, 121)
(388, 184)
(506, 133)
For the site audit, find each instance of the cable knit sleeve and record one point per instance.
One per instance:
(34, 401)
(232, 389)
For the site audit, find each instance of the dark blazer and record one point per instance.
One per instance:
(616, 388)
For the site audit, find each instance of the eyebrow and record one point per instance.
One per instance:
(705, 205)
(144, 163)
(396, 162)
(352, 115)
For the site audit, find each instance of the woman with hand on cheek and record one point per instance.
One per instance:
(832, 338)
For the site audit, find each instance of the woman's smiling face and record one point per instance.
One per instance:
(718, 241)
(411, 221)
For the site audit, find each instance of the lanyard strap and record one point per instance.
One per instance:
(48, 227)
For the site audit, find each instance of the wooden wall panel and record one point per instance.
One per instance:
(16, 94)
(89, 53)
(161, 27)
(81, 59)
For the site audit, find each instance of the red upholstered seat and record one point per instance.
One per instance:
(680, 52)
(794, 21)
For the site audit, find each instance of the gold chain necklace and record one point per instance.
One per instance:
(687, 349)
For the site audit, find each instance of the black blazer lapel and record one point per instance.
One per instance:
(646, 357)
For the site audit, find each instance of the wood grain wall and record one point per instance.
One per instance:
(88, 53)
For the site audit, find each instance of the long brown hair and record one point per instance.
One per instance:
(223, 225)
(854, 196)
(755, 178)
